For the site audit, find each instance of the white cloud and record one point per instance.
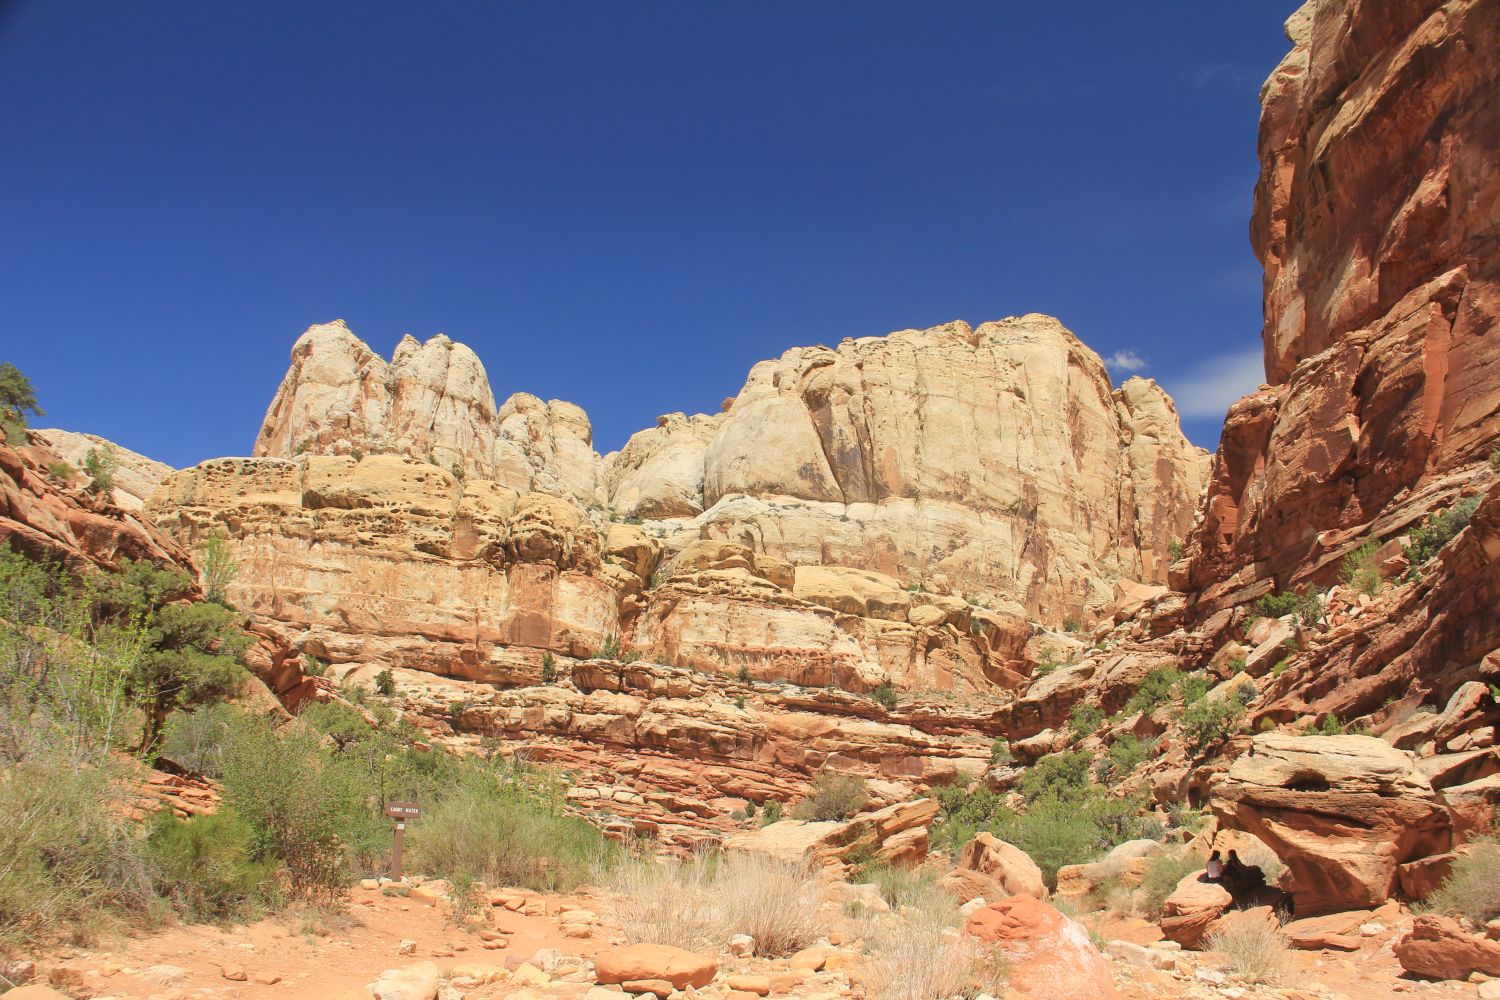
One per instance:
(1210, 386)
(1125, 360)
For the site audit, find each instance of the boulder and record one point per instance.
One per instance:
(415, 982)
(654, 961)
(1007, 864)
(1440, 948)
(1190, 911)
(969, 885)
(1049, 955)
(1342, 812)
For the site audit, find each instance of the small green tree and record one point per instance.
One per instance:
(549, 669)
(385, 683)
(191, 652)
(884, 695)
(217, 565)
(16, 399)
(101, 466)
(1360, 571)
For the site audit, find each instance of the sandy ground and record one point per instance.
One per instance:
(315, 956)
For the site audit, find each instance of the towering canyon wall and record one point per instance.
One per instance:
(1377, 218)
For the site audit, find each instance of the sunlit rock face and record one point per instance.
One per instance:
(431, 401)
(1377, 218)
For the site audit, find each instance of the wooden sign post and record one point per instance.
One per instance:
(400, 812)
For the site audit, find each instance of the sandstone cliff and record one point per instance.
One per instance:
(136, 478)
(1377, 218)
(936, 457)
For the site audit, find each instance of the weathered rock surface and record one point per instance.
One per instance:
(1050, 955)
(1342, 812)
(1192, 908)
(1440, 948)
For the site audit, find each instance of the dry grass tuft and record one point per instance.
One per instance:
(923, 957)
(703, 902)
(1472, 889)
(1254, 949)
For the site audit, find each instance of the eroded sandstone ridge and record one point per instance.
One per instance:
(1377, 218)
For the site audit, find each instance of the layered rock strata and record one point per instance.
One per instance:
(1377, 218)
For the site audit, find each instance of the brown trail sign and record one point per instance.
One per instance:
(400, 812)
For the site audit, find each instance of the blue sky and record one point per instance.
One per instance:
(621, 204)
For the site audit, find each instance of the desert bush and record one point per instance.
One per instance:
(1065, 774)
(1360, 571)
(918, 957)
(1085, 720)
(71, 866)
(1192, 687)
(304, 808)
(1163, 872)
(1000, 751)
(1306, 606)
(385, 684)
(1125, 755)
(913, 888)
(1439, 530)
(217, 568)
(16, 398)
(1472, 888)
(206, 866)
(1155, 689)
(700, 903)
(1209, 720)
(1254, 949)
(497, 828)
(195, 740)
(884, 695)
(101, 466)
(833, 797)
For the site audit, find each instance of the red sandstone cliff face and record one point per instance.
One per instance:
(1377, 218)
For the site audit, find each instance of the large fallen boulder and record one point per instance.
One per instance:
(1049, 955)
(1006, 863)
(641, 962)
(1192, 908)
(1440, 948)
(1342, 812)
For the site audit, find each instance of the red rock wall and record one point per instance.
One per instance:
(1377, 219)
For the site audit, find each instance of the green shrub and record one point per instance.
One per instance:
(770, 812)
(385, 683)
(218, 567)
(101, 466)
(744, 674)
(884, 695)
(1085, 720)
(1209, 720)
(1000, 752)
(1061, 774)
(195, 740)
(502, 832)
(1360, 571)
(1126, 754)
(1155, 690)
(71, 866)
(206, 866)
(549, 669)
(833, 796)
(16, 398)
(611, 650)
(62, 470)
(1192, 688)
(1495, 459)
(308, 808)
(1163, 872)
(1439, 530)
(1472, 888)
(1174, 549)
